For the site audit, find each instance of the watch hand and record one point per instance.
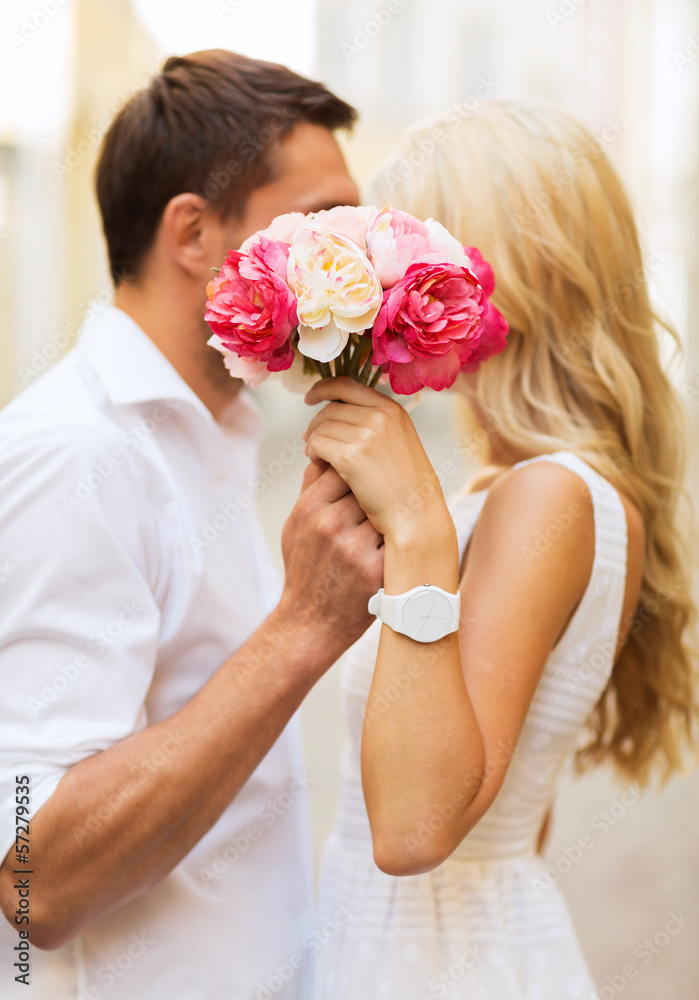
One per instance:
(429, 615)
(426, 618)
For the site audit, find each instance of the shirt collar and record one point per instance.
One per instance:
(133, 370)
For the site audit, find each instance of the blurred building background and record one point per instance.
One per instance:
(67, 64)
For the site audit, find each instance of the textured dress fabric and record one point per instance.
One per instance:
(487, 923)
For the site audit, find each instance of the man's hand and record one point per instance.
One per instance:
(333, 565)
(334, 562)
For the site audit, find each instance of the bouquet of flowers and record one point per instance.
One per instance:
(354, 291)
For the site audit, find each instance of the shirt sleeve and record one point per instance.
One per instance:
(79, 624)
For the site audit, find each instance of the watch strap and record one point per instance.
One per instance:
(384, 610)
(389, 609)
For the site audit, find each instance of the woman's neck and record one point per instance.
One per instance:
(499, 460)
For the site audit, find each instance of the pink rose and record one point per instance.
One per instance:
(429, 326)
(251, 307)
(351, 221)
(396, 240)
(481, 268)
(495, 328)
(393, 243)
(281, 229)
(250, 370)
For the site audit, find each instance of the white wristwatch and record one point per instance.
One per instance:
(424, 613)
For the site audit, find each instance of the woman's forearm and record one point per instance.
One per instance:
(422, 753)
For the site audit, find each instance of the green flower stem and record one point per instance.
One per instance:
(366, 370)
(348, 363)
(346, 357)
(375, 379)
(355, 358)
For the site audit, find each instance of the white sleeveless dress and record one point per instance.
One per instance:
(486, 923)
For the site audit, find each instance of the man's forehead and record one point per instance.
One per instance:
(309, 173)
(318, 201)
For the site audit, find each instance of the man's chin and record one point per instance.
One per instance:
(227, 384)
(217, 373)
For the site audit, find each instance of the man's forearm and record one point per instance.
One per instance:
(162, 789)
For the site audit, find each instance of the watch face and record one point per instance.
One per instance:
(427, 615)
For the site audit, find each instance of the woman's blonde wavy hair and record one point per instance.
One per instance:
(534, 191)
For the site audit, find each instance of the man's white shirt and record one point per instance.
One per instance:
(133, 566)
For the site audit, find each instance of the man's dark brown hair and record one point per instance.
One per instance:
(209, 122)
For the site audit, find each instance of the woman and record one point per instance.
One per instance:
(566, 554)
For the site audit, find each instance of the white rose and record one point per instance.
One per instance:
(446, 245)
(337, 288)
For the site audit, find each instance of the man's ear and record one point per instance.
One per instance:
(181, 232)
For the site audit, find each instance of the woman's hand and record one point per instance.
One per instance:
(371, 442)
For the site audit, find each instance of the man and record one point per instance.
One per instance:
(151, 670)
